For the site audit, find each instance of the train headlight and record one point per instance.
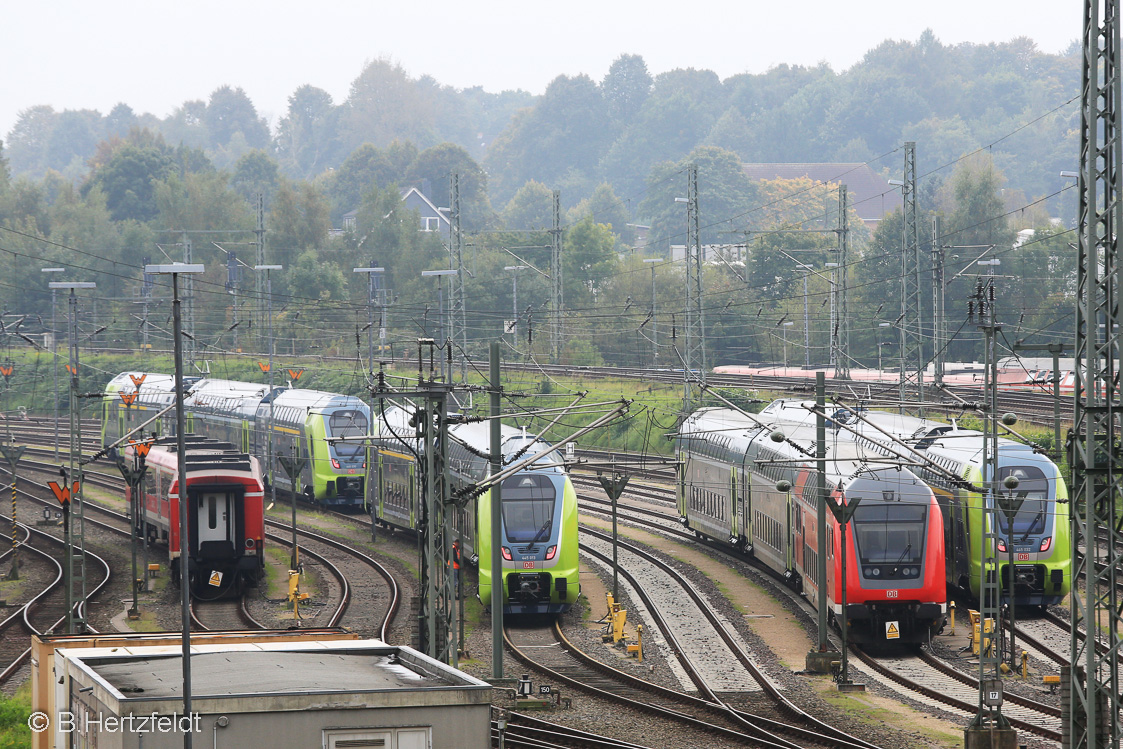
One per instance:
(876, 571)
(915, 571)
(550, 552)
(506, 553)
(1001, 545)
(1046, 543)
(335, 464)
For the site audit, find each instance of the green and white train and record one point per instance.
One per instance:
(244, 414)
(539, 509)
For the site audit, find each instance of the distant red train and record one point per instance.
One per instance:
(226, 513)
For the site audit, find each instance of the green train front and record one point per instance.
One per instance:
(538, 542)
(1039, 534)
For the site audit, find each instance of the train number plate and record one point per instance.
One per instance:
(1023, 557)
(528, 565)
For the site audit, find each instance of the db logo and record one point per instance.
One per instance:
(528, 565)
(1023, 557)
(890, 594)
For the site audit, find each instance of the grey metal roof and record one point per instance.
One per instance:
(255, 673)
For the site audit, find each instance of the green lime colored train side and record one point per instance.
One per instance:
(243, 414)
(539, 517)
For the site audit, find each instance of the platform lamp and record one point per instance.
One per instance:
(175, 270)
(54, 349)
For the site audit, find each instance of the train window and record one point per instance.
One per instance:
(1033, 490)
(212, 512)
(528, 508)
(348, 423)
(889, 533)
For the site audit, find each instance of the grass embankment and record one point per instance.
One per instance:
(14, 712)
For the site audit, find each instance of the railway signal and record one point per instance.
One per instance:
(133, 476)
(12, 454)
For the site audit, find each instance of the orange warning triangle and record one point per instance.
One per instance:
(891, 631)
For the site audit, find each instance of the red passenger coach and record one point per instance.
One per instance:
(225, 512)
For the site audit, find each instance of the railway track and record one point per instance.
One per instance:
(46, 610)
(226, 619)
(928, 679)
(707, 645)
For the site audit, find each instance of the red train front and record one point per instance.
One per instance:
(225, 511)
(895, 590)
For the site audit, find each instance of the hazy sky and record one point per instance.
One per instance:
(155, 55)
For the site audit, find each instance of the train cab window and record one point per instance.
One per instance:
(1033, 490)
(347, 423)
(212, 512)
(528, 508)
(890, 532)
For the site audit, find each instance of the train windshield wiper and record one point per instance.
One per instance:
(540, 534)
(1032, 525)
(897, 565)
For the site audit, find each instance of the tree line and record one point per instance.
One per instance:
(994, 126)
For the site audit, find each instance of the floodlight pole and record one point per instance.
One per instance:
(271, 459)
(653, 261)
(174, 270)
(496, 450)
(74, 477)
(54, 350)
(373, 281)
(445, 339)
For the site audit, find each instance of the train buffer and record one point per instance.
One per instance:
(617, 618)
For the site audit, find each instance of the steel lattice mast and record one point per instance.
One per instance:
(459, 296)
(912, 349)
(558, 303)
(840, 331)
(695, 321)
(1097, 465)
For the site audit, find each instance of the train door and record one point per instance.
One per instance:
(746, 509)
(216, 514)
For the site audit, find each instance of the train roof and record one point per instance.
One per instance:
(476, 435)
(206, 454)
(934, 437)
(318, 401)
(742, 435)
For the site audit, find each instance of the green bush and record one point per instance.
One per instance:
(14, 711)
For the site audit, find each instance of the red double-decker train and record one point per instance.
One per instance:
(751, 482)
(225, 512)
